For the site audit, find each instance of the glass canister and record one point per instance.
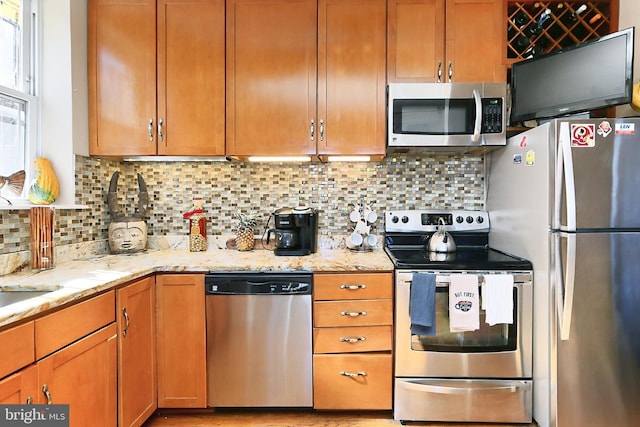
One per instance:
(197, 226)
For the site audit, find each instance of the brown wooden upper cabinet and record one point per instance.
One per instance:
(305, 77)
(156, 77)
(446, 41)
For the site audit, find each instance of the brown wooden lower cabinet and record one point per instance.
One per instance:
(352, 381)
(20, 387)
(137, 373)
(83, 375)
(182, 372)
(352, 341)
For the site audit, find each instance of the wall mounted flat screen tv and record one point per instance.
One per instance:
(588, 76)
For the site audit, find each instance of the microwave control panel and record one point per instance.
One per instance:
(492, 115)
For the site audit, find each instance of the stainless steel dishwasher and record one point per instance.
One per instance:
(259, 333)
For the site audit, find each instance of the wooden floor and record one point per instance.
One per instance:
(292, 418)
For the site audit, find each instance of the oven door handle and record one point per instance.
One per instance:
(464, 387)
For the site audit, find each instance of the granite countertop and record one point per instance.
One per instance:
(76, 279)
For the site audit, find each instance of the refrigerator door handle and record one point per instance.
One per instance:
(564, 300)
(565, 162)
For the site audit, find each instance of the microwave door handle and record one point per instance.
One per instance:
(478, 123)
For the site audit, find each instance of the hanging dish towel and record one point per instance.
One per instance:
(497, 298)
(464, 313)
(422, 304)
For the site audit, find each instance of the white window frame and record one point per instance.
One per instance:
(27, 93)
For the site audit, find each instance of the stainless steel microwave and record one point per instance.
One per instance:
(446, 116)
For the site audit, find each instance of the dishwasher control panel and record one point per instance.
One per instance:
(259, 283)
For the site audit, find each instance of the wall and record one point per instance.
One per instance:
(227, 188)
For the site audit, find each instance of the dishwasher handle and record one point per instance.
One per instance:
(258, 284)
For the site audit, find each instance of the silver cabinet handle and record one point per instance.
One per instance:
(150, 130)
(351, 374)
(353, 313)
(160, 134)
(312, 129)
(321, 130)
(352, 339)
(126, 321)
(450, 71)
(353, 286)
(439, 71)
(45, 391)
(29, 400)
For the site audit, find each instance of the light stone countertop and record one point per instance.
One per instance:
(84, 277)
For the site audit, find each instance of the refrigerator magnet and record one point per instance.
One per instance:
(530, 158)
(604, 129)
(583, 135)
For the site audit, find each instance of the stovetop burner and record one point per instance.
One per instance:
(408, 232)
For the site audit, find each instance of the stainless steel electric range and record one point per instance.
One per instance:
(478, 374)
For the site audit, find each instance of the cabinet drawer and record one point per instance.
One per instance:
(352, 313)
(17, 348)
(352, 381)
(352, 340)
(61, 328)
(352, 286)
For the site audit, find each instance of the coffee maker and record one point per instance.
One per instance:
(296, 231)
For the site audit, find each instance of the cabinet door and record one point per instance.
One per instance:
(83, 375)
(191, 80)
(21, 387)
(475, 41)
(182, 373)
(415, 40)
(122, 77)
(271, 77)
(136, 352)
(351, 77)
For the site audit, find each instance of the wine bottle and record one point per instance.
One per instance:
(574, 16)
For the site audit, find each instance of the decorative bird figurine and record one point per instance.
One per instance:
(13, 182)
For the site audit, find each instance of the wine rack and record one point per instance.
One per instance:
(538, 27)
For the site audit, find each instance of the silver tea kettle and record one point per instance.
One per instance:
(441, 240)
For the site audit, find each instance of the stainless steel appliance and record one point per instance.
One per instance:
(295, 232)
(481, 375)
(259, 350)
(446, 116)
(565, 195)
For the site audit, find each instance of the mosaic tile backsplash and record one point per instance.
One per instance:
(438, 182)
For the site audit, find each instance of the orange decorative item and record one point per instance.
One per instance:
(197, 227)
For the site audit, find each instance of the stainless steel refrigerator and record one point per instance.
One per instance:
(566, 195)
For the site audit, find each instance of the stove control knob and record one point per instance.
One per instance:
(459, 219)
(480, 220)
(405, 219)
(469, 219)
(394, 219)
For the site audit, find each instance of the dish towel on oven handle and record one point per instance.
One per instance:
(422, 304)
(464, 310)
(497, 298)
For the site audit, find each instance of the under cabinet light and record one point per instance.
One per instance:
(349, 158)
(279, 158)
(176, 159)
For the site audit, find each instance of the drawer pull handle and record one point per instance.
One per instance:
(352, 339)
(45, 391)
(353, 313)
(352, 375)
(29, 400)
(353, 286)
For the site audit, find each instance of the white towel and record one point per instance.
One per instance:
(497, 298)
(464, 313)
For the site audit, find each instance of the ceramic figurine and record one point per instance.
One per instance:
(127, 234)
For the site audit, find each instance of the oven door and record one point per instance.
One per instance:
(498, 351)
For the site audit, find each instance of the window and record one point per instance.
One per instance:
(18, 101)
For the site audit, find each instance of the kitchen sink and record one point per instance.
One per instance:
(12, 297)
